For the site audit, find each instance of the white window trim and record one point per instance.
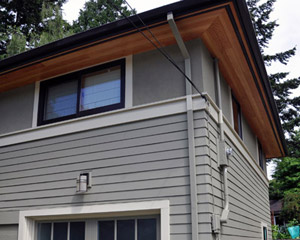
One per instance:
(263, 224)
(35, 104)
(28, 218)
(128, 82)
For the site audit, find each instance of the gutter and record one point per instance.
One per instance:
(190, 123)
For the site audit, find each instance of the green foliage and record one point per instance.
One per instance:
(17, 43)
(24, 15)
(293, 222)
(291, 207)
(99, 12)
(55, 27)
(286, 177)
(279, 232)
(288, 106)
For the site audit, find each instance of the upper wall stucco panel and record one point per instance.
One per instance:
(208, 73)
(16, 109)
(156, 79)
(249, 138)
(226, 99)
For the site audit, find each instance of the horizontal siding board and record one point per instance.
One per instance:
(113, 154)
(149, 194)
(9, 217)
(100, 189)
(45, 162)
(136, 162)
(101, 179)
(105, 167)
(248, 195)
(244, 171)
(8, 232)
(105, 147)
(122, 128)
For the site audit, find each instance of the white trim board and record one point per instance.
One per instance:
(35, 104)
(121, 116)
(27, 218)
(128, 82)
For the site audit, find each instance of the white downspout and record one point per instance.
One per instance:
(190, 123)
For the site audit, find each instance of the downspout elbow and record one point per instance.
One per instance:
(225, 212)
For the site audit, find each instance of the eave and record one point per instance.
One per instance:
(223, 26)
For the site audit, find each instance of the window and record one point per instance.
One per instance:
(264, 231)
(61, 231)
(128, 229)
(82, 93)
(151, 221)
(140, 228)
(261, 156)
(237, 117)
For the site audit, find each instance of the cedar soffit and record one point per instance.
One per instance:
(222, 32)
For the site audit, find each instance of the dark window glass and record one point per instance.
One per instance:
(146, 229)
(61, 100)
(237, 117)
(60, 231)
(89, 91)
(44, 231)
(77, 230)
(125, 229)
(106, 230)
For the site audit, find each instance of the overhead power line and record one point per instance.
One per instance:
(158, 46)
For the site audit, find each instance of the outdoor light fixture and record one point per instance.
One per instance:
(84, 182)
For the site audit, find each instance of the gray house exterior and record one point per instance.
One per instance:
(162, 161)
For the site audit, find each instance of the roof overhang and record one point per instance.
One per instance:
(224, 27)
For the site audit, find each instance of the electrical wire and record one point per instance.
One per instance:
(159, 47)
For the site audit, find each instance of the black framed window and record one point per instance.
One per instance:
(61, 231)
(90, 91)
(128, 229)
(237, 117)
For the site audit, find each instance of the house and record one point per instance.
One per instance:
(103, 138)
(276, 207)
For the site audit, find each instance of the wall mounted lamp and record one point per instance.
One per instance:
(83, 182)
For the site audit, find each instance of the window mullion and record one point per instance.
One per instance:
(78, 95)
(52, 230)
(68, 232)
(135, 229)
(116, 237)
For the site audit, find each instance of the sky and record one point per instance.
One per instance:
(286, 36)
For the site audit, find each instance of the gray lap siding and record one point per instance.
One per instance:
(139, 161)
(145, 160)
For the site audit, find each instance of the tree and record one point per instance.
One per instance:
(288, 106)
(286, 177)
(291, 206)
(99, 12)
(286, 186)
(54, 26)
(22, 16)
